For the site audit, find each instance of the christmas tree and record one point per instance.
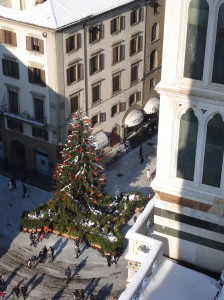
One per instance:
(79, 179)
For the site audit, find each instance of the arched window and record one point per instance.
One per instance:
(214, 148)
(218, 67)
(153, 60)
(187, 145)
(154, 33)
(196, 39)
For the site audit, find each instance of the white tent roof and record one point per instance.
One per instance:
(152, 106)
(101, 140)
(135, 117)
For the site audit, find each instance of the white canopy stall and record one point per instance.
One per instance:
(101, 140)
(152, 106)
(134, 118)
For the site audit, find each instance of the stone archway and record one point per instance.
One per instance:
(18, 153)
(114, 137)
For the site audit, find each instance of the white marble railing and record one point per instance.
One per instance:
(144, 254)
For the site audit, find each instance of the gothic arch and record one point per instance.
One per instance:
(198, 113)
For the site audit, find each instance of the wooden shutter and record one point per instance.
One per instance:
(67, 45)
(79, 66)
(41, 46)
(2, 36)
(28, 43)
(131, 17)
(90, 66)
(122, 23)
(42, 77)
(102, 117)
(14, 41)
(130, 49)
(68, 77)
(122, 52)
(90, 36)
(30, 74)
(114, 50)
(101, 28)
(140, 39)
(101, 62)
(141, 14)
(16, 70)
(138, 96)
(122, 106)
(78, 37)
(4, 66)
(112, 26)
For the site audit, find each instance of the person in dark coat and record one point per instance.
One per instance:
(140, 151)
(68, 274)
(82, 294)
(108, 260)
(24, 189)
(51, 250)
(16, 290)
(24, 291)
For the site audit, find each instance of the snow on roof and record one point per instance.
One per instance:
(175, 282)
(55, 14)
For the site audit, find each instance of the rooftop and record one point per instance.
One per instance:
(56, 14)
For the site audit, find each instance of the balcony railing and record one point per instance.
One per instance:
(145, 254)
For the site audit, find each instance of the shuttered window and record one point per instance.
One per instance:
(10, 68)
(96, 92)
(136, 44)
(136, 16)
(73, 42)
(116, 82)
(36, 76)
(118, 53)
(135, 97)
(117, 24)
(34, 44)
(39, 109)
(8, 37)
(13, 101)
(134, 73)
(122, 106)
(95, 33)
(74, 73)
(74, 103)
(96, 63)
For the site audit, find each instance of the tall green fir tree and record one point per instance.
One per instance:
(78, 179)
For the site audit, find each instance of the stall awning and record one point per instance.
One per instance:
(101, 140)
(152, 106)
(134, 118)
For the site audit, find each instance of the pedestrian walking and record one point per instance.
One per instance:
(82, 295)
(16, 290)
(2, 282)
(32, 239)
(10, 185)
(46, 231)
(76, 295)
(108, 260)
(77, 250)
(68, 274)
(24, 291)
(25, 192)
(13, 180)
(29, 263)
(41, 236)
(140, 151)
(51, 251)
(141, 159)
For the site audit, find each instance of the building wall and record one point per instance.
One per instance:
(153, 16)
(189, 214)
